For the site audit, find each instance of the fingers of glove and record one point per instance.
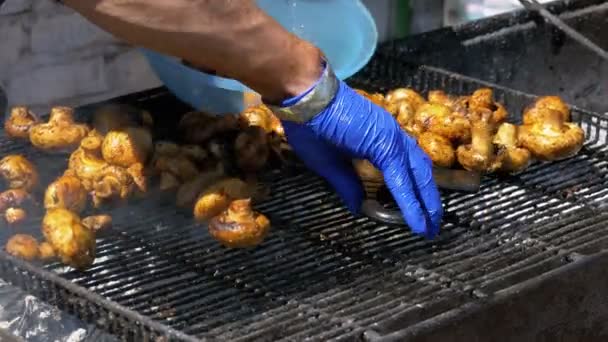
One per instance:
(325, 160)
(422, 171)
(400, 182)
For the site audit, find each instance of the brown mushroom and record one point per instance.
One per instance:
(19, 123)
(128, 146)
(252, 149)
(239, 226)
(70, 239)
(13, 198)
(549, 138)
(46, 251)
(396, 96)
(97, 222)
(479, 155)
(60, 134)
(18, 172)
(66, 192)
(15, 216)
(23, 246)
(440, 119)
(534, 112)
(438, 148)
(218, 196)
(512, 157)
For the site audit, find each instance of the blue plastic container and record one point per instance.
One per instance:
(348, 42)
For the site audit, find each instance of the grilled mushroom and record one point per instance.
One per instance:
(534, 112)
(19, 123)
(441, 120)
(60, 134)
(66, 192)
(218, 196)
(479, 154)
(252, 149)
(15, 216)
(18, 172)
(23, 246)
(46, 251)
(127, 146)
(70, 239)
(97, 222)
(549, 138)
(375, 98)
(439, 149)
(239, 226)
(512, 157)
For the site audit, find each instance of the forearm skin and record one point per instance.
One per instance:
(233, 37)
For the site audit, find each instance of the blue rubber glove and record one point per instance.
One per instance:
(353, 127)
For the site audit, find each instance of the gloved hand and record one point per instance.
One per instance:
(353, 127)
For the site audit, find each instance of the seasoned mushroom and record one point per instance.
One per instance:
(97, 222)
(440, 119)
(18, 172)
(113, 117)
(15, 216)
(375, 98)
(218, 196)
(46, 251)
(408, 95)
(549, 138)
(13, 198)
(440, 97)
(405, 114)
(71, 240)
(512, 157)
(483, 98)
(60, 133)
(23, 246)
(66, 192)
(86, 162)
(252, 149)
(19, 123)
(479, 154)
(239, 226)
(114, 182)
(534, 112)
(367, 171)
(439, 149)
(128, 146)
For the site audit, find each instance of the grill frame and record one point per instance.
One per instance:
(405, 271)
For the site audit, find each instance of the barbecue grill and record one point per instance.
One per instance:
(521, 244)
(520, 50)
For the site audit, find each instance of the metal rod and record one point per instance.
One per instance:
(534, 5)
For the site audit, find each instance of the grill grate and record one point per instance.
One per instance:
(322, 273)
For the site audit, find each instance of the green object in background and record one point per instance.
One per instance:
(401, 21)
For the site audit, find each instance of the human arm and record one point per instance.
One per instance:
(234, 38)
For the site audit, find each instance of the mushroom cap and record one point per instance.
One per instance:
(439, 149)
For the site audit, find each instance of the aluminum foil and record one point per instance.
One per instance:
(33, 320)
